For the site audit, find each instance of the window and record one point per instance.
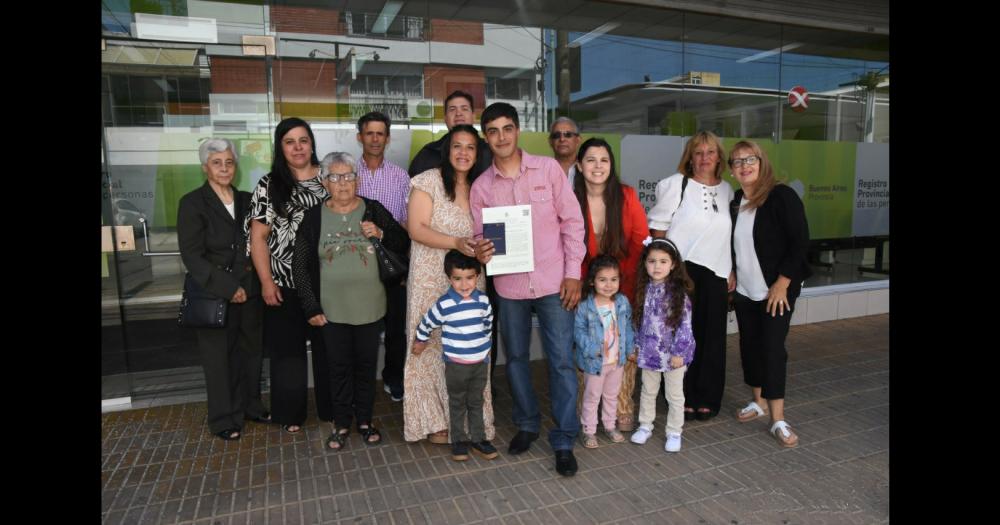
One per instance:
(395, 86)
(509, 88)
(374, 25)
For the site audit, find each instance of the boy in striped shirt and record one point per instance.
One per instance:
(465, 317)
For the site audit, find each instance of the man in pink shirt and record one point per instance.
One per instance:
(552, 290)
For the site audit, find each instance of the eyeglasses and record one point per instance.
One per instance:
(564, 134)
(749, 161)
(350, 176)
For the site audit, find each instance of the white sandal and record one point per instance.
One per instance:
(781, 431)
(750, 412)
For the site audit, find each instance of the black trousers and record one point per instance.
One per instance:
(395, 334)
(705, 378)
(762, 345)
(285, 332)
(231, 358)
(352, 353)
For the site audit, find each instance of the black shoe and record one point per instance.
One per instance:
(460, 451)
(565, 462)
(395, 392)
(705, 414)
(485, 449)
(229, 434)
(688, 414)
(522, 441)
(264, 417)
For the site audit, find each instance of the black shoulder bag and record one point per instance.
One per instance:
(392, 266)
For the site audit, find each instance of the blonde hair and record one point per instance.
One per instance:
(702, 137)
(765, 178)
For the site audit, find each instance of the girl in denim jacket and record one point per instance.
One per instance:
(604, 338)
(665, 340)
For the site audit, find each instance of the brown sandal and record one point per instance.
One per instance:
(438, 438)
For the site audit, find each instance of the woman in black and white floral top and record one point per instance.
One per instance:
(276, 209)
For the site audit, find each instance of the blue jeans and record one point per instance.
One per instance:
(557, 343)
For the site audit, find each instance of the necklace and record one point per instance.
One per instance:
(713, 194)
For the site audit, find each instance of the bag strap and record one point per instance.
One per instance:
(684, 185)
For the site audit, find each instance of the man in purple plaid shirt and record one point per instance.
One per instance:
(381, 180)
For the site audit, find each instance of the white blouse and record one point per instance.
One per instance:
(749, 277)
(701, 231)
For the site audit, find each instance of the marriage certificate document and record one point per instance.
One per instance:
(509, 227)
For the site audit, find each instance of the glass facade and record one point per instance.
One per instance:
(175, 72)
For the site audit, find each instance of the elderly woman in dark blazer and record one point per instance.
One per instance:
(208, 232)
(770, 240)
(336, 268)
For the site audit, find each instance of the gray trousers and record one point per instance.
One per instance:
(465, 398)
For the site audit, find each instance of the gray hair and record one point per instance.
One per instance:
(564, 119)
(214, 145)
(337, 157)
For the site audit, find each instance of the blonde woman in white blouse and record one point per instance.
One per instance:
(692, 210)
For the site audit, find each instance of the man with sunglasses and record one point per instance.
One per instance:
(564, 139)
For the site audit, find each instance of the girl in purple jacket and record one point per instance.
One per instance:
(666, 343)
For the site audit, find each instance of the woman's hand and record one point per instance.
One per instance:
(777, 296)
(370, 230)
(317, 320)
(418, 347)
(271, 293)
(731, 282)
(240, 296)
(676, 362)
(465, 245)
(634, 356)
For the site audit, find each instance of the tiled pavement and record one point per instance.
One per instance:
(160, 465)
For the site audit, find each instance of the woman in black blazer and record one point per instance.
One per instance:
(770, 240)
(208, 231)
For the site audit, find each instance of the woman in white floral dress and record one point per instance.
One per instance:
(439, 220)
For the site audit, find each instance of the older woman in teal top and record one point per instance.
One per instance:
(336, 269)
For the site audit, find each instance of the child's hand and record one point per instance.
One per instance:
(676, 362)
(418, 347)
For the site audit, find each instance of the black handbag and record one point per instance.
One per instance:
(392, 267)
(201, 308)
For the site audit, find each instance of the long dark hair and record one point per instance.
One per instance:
(678, 284)
(282, 181)
(447, 170)
(599, 263)
(613, 242)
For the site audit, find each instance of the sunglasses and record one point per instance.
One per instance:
(564, 134)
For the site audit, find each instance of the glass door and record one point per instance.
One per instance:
(172, 75)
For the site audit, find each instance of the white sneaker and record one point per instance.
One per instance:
(673, 443)
(640, 436)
